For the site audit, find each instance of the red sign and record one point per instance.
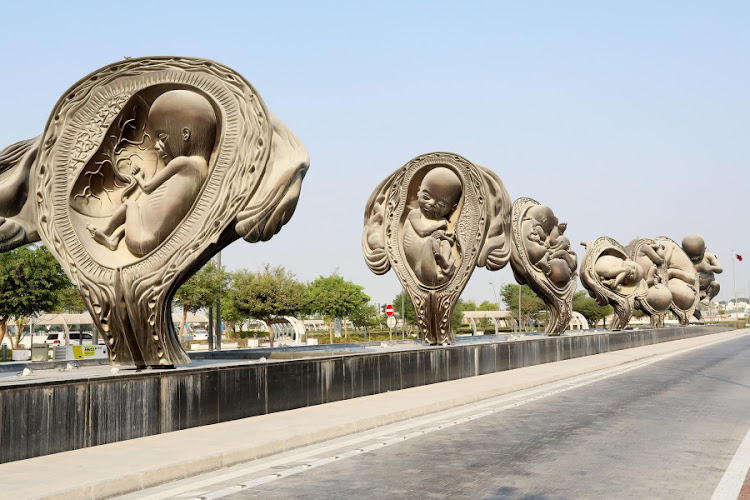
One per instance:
(389, 310)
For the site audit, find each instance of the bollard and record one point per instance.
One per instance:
(5, 352)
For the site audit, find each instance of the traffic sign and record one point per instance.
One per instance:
(391, 322)
(389, 309)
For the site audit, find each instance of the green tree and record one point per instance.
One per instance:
(274, 291)
(408, 313)
(70, 300)
(334, 297)
(488, 306)
(365, 316)
(458, 312)
(530, 302)
(590, 309)
(229, 313)
(200, 291)
(30, 283)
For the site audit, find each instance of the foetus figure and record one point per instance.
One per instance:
(145, 170)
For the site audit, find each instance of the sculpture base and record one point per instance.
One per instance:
(92, 405)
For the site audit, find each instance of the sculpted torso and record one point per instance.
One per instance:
(185, 128)
(428, 243)
(547, 246)
(681, 275)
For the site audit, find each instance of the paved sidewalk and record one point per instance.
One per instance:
(127, 466)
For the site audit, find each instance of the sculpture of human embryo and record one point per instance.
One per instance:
(184, 126)
(428, 239)
(706, 265)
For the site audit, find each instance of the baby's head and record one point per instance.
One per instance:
(634, 273)
(544, 216)
(184, 124)
(439, 192)
(694, 246)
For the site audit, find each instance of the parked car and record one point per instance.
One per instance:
(200, 334)
(75, 338)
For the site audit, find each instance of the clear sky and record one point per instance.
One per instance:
(627, 118)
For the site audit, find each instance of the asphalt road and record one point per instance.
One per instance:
(665, 429)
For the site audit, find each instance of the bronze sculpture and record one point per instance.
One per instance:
(147, 168)
(542, 259)
(670, 279)
(612, 277)
(706, 265)
(434, 220)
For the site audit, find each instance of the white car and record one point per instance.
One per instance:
(200, 334)
(75, 338)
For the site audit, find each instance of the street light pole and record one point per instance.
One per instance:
(520, 327)
(218, 305)
(497, 301)
(403, 315)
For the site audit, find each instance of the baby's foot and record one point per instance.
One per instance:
(101, 238)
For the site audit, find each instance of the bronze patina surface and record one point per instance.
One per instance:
(145, 170)
(434, 220)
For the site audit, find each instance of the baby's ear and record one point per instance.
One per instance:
(185, 134)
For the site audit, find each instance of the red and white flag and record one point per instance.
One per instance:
(739, 257)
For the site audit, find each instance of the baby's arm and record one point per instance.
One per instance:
(713, 264)
(681, 275)
(175, 166)
(425, 228)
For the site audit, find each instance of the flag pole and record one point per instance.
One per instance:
(734, 279)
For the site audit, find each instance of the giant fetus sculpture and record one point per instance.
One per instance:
(433, 221)
(612, 277)
(682, 280)
(670, 278)
(145, 170)
(706, 265)
(542, 258)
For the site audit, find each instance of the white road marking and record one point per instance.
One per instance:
(445, 419)
(734, 477)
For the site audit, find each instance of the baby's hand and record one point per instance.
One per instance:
(443, 224)
(136, 170)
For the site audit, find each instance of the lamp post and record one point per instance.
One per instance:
(218, 305)
(497, 301)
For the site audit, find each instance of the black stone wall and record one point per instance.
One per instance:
(40, 419)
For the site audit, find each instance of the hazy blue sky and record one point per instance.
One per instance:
(628, 118)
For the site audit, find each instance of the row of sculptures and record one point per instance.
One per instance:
(439, 216)
(148, 167)
(652, 275)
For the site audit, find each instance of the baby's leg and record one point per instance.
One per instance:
(543, 264)
(112, 233)
(139, 239)
(567, 257)
(444, 258)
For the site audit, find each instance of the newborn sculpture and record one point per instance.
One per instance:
(434, 220)
(706, 264)
(145, 170)
(611, 277)
(541, 258)
(670, 278)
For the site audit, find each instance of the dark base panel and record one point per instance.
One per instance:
(41, 419)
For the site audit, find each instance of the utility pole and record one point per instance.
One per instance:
(498, 305)
(403, 314)
(210, 328)
(218, 304)
(734, 280)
